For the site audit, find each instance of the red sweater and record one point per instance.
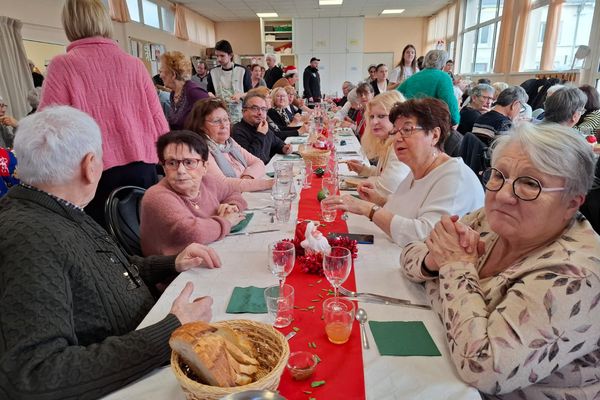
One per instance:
(170, 222)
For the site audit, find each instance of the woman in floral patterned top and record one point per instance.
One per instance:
(517, 283)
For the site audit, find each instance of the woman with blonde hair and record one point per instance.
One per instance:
(176, 73)
(377, 144)
(97, 77)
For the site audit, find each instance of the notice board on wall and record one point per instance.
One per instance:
(148, 52)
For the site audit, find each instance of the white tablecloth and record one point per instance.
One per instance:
(244, 260)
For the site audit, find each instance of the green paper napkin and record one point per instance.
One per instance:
(271, 174)
(409, 338)
(291, 156)
(249, 299)
(242, 224)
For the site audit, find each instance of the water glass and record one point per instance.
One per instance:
(338, 315)
(328, 213)
(283, 208)
(280, 305)
(308, 173)
(330, 185)
(336, 266)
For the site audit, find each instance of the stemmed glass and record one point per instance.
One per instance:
(282, 256)
(337, 265)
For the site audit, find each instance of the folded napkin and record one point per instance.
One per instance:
(291, 156)
(298, 140)
(242, 224)
(408, 338)
(271, 174)
(249, 299)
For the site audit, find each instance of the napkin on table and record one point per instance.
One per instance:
(403, 338)
(249, 299)
(242, 224)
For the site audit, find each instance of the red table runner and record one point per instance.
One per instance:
(341, 366)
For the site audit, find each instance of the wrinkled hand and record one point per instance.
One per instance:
(197, 255)
(197, 310)
(234, 217)
(366, 190)
(263, 127)
(8, 121)
(287, 149)
(449, 242)
(237, 96)
(355, 166)
(348, 203)
(226, 208)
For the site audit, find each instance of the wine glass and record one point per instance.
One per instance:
(336, 265)
(282, 256)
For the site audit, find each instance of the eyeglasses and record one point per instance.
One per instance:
(488, 98)
(406, 131)
(2, 105)
(257, 109)
(524, 187)
(219, 122)
(188, 163)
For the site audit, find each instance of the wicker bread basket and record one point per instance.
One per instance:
(318, 157)
(272, 352)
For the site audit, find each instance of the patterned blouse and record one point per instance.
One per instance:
(531, 332)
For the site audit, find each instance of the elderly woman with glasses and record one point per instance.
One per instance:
(436, 184)
(481, 99)
(284, 123)
(188, 205)
(7, 126)
(226, 159)
(517, 283)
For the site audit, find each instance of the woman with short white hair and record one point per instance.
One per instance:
(517, 283)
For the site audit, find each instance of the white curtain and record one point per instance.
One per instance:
(15, 75)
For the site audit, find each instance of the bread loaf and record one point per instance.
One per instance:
(218, 356)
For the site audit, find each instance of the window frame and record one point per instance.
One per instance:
(492, 23)
(160, 7)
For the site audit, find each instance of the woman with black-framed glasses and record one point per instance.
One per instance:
(188, 205)
(437, 184)
(517, 283)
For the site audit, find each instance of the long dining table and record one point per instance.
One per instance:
(376, 270)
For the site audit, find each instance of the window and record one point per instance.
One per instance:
(151, 15)
(134, 10)
(168, 20)
(533, 46)
(479, 35)
(574, 30)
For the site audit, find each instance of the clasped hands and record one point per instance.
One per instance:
(230, 212)
(452, 241)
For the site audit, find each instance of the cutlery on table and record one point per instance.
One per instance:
(361, 317)
(380, 299)
(252, 233)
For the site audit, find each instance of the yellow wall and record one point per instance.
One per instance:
(41, 53)
(244, 36)
(384, 35)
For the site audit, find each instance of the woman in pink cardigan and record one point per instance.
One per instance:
(227, 160)
(99, 78)
(188, 205)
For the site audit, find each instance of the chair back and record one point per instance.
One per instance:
(122, 215)
(475, 153)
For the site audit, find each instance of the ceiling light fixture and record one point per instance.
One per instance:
(393, 11)
(330, 2)
(267, 15)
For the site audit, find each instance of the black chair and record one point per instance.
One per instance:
(475, 153)
(122, 215)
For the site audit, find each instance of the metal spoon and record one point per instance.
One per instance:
(361, 317)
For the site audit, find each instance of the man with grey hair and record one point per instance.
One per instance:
(433, 82)
(500, 118)
(565, 106)
(481, 97)
(70, 298)
(273, 72)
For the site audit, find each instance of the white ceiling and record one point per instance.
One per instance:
(244, 10)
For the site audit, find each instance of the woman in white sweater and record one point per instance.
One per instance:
(436, 185)
(378, 144)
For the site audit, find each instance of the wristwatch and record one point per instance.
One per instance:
(374, 209)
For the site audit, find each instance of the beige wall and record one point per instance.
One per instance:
(392, 34)
(41, 53)
(244, 36)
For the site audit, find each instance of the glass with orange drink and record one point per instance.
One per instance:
(338, 314)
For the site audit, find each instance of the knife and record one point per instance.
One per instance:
(252, 233)
(380, 299)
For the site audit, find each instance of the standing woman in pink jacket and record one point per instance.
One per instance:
(99, 78)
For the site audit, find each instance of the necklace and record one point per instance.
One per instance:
(427, 170)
